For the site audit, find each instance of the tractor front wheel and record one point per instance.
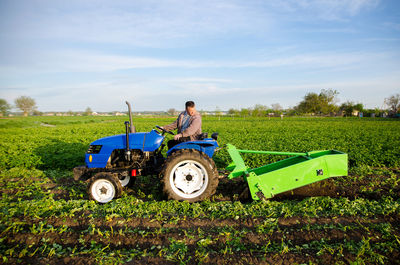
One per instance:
(104, 187)
(189, 175)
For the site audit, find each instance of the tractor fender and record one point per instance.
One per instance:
(206, 147)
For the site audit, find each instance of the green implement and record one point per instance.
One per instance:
(296, 171)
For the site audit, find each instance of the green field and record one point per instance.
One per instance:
(46, 217)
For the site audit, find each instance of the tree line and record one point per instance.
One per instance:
(24, 103)
(323, 104)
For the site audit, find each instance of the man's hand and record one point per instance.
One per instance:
(177, 136)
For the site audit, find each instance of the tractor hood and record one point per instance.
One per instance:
(100, 150)
(149, 141)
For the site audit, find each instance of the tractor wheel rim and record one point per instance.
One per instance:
(125, 180)
(188, 179)
(103, 190)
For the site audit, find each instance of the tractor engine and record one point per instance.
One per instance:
(119, 159)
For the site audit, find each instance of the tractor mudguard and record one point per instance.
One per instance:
(206, 146)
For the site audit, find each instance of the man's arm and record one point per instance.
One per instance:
(172, 126)
(194, 127)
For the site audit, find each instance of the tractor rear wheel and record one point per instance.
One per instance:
(104, 187)
(189, 175)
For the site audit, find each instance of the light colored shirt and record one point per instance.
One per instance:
(185, 121)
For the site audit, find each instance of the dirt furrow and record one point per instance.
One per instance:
(82, 223)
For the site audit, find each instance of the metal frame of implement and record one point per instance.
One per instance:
(296, 171)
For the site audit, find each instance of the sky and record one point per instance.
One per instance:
(70, 55)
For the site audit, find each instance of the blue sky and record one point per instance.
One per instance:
(69, 55)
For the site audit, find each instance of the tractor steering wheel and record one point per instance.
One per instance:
(164, 131)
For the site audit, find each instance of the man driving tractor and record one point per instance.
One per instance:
(188, 124)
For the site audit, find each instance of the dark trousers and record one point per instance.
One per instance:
(172, 143)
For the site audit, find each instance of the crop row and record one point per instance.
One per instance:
(364, 240)
(170, 211)
(20, 183)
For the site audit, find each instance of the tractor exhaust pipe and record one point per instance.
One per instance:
(132, 127)
(127, 150)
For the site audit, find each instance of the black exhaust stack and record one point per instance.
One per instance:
(128, 150)
(132, 127)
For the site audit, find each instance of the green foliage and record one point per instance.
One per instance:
(25, 104)
(45, 217)
(349, 107)
(322, 103)
(4, 106)
(27, 142)
(88, 112)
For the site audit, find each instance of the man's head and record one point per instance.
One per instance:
(190, 108)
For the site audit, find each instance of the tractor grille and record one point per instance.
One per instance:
(94, 149)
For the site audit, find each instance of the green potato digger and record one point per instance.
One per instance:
(300, 169)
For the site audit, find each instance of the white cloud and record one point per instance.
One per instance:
(140, 23)
(161, 94)
(167, 23)
(86, 61)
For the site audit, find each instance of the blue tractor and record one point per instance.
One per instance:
(187, 172)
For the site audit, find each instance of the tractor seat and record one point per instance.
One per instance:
(202, 136)
(205, 135)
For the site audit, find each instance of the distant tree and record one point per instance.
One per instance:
(329, 100)
(393, 102)
(88, 111)
(171, 111)
(310, 103)
(377, 111)
(371, 112)
(254, 112)
(70, 113)
(259, 110)
(37, 113)
(359, 107)
(233, 112)
(26, 104)
(4, 107)
(349, 107)
(322, 103)
(292, 112)
(244, 112)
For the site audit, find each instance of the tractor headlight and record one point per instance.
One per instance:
(94, 149)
